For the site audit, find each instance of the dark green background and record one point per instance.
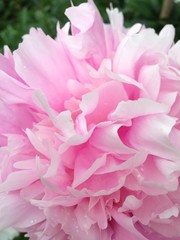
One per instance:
(17, 16)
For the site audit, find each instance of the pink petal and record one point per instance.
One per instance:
(52, 79)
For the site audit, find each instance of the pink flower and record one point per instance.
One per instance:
(90, 131)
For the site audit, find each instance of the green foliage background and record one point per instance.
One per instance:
(17, 16)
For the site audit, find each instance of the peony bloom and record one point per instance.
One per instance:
(90, 131)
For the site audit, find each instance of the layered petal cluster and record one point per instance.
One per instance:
(90, 131)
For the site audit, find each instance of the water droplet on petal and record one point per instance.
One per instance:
(33, 221)
(77, 228)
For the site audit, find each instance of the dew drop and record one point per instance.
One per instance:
(33, 221)
(142, 169)
(77, 228)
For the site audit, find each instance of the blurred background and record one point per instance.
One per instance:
(17, 16)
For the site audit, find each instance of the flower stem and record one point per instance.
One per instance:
(166, 9)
